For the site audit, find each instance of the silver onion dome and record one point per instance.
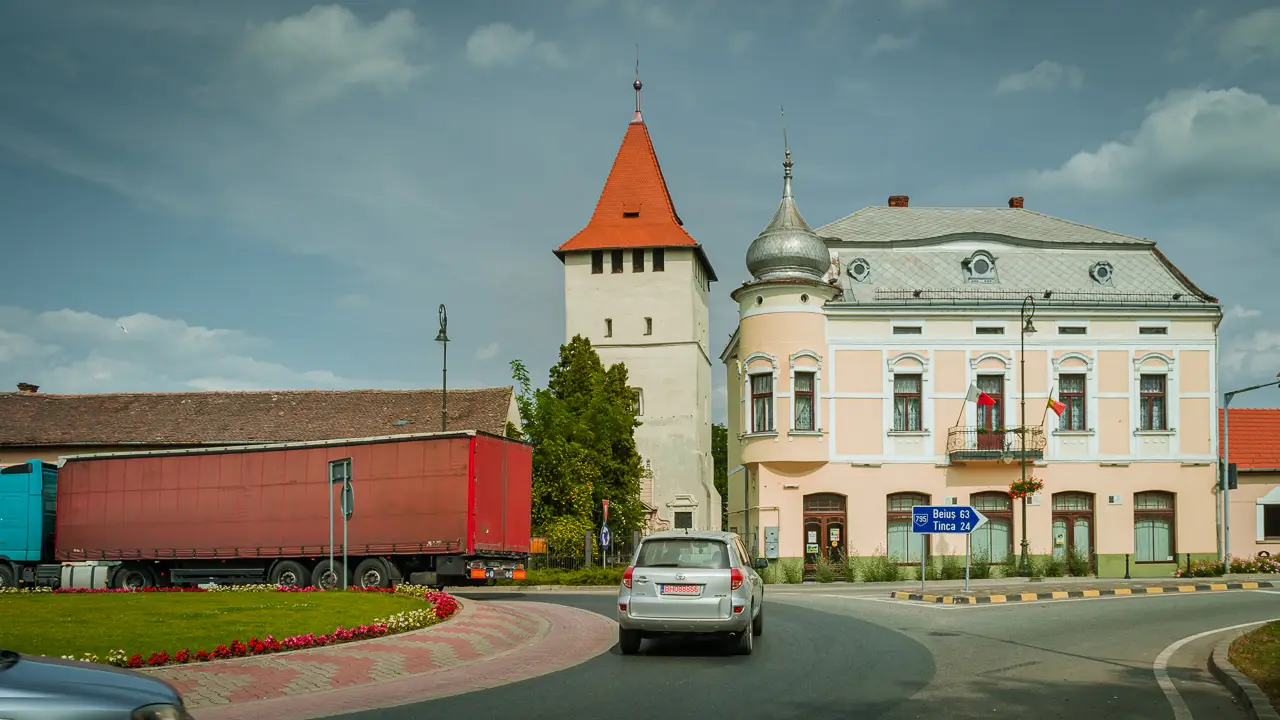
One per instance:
(788, 247)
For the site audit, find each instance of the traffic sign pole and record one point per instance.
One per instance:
(968, 547)
(945, 520)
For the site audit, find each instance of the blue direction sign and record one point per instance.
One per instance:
(945, 519)
(604, 536)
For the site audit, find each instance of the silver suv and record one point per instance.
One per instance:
(691, 582)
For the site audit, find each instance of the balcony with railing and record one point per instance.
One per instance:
(965, 444)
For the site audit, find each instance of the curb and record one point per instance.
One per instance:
(1068, 594)
(1255, 702)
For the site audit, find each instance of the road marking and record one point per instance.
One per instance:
(1161, 668)
(1269, 592)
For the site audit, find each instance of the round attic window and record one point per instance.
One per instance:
(1102, 272)
(804, 298)
(759, 300)
(859, 269)
(981, 266)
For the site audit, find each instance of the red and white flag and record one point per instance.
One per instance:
(976, 395)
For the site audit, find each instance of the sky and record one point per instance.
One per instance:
(246, 195)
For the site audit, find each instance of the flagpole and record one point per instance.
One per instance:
(1048, 401)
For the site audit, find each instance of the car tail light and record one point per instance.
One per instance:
(626, 576)
(735, 578)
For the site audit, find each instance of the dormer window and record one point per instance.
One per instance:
(980, 267)
(1102, 272)
(860, 270)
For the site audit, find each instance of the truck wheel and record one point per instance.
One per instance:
(290, 573)
(326, 578)
(8, 578)
(132, 576)
(372, 573)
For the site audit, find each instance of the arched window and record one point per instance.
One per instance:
(1153, 527)
(904, 546)
(993, 542)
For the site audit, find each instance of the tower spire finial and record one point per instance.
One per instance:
(637, 85)
(786, 163)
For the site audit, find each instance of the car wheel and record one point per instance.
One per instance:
(629, 641)
(745, 643)
(757, 625)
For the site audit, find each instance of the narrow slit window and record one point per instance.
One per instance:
(1153, 330)
(617, 261)
(648, 326)
(907, 330)
(1073, 330)
(637, 261)
(659, 260)
(608, 327)
(998, 330)
(597, 262)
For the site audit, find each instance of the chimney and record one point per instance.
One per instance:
(28, 388)
(1015, 202)
(899, 200)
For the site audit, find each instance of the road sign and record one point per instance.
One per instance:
(340, 471)
(606, 511)
(945, 519)
(604, 536)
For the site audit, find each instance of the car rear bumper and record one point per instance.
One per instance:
(738, 622)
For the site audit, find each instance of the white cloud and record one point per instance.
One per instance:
(888, 42)
(318, 55)
(1239, 312)
(488, 352)
(1251, 358)
(1251, 37)
(501, 45)
(69, 351)
(1046, 75)
(1199, 139)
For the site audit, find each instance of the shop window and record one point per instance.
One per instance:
(1153, 527)
(993, 542)
(903, 545)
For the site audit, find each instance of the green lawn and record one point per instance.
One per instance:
(1257, 654)
(45, 624)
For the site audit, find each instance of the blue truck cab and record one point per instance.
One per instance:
(28, 504)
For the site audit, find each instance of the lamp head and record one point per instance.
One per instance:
(1029, 328)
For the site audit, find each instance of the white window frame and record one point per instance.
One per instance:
(990, 324)
(1170, 393)
(1071, 324)
(1154, 324)
(748, 405)
(926, 407)
(1090, 391)
(971, 409)
(1271, 498)
(905, 324)
(816, 369)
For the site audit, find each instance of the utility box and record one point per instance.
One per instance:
(771, 543)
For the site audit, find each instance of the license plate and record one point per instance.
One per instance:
(680, 589)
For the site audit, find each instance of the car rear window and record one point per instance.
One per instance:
(684, 553)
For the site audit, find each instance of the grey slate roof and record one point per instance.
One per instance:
(895, 224)
(915, 256)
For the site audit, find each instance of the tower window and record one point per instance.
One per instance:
(637, 261)
(608, 327)
(648, 326)
(597, 262)
(659, 260)
(617, 261)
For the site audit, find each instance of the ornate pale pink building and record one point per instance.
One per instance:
(859, 342)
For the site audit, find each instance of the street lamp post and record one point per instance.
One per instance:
(443, 338)
(1227, 397)
(1028, 312)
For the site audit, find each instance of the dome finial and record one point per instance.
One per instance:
(637, 85)
(786, 163)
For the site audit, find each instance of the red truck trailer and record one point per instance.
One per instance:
(435, 509)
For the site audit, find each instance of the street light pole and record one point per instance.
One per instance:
(1227, 397)
(443, 338)
(1028, 312)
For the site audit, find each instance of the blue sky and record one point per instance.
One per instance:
(272, 195)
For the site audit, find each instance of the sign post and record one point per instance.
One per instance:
(946, 520)
(339, 474)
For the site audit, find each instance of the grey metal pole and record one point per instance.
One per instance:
(1226, 481)
(444, 390)
(923, 554)
(329, 484)
(967, 554)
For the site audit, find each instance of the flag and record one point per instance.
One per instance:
(1057, 406)
(976, 395)
(985, 399)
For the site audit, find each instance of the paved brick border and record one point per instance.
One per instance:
(1255, 702)
(566, 637)
(1067, 594)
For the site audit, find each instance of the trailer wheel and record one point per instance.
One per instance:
(8, 578)
(326, 578)
(132, 576)
(290, 573)
(372, 573)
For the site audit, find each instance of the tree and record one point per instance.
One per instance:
(582, 428)
(720, 464)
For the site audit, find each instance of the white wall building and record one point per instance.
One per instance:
(636, 285)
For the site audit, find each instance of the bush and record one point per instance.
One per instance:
(979, 567)
(951, 568)
(881, 568)
(1255, 565)
(824, 571)
(849, 568)
(1048, 566)
(792, 571)
(1078, 563)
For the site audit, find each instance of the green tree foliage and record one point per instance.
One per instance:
(720, 465)
(582, 428)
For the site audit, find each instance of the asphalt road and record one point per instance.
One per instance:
(846, 653)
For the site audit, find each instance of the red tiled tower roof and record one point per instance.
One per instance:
(1255, 438)
(635, 208)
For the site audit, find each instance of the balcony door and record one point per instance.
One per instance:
(991, 417)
